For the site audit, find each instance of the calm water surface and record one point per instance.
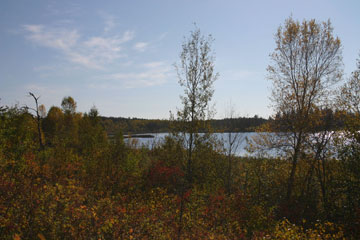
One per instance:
(241, 143)
(223, 137)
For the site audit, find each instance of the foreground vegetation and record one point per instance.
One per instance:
(82, 186)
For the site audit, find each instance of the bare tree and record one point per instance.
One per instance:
(39, 111)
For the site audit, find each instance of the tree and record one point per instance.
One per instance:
(196, 75)
(52, 125)
(349, 143)
(40, 112)
(306, 63)
(68, 105)
(349, 98)
(71, 122)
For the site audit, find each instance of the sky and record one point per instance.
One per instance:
(119, 55)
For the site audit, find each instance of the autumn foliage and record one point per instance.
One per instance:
(82, 185)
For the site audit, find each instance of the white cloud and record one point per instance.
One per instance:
(33, 28)
(141, 46)
(155, 73)
(93, 53)
(128, 35)
(84, 60)
(111, 43)
(54, 38)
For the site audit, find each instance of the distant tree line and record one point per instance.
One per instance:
(331, 119)
(113, 125)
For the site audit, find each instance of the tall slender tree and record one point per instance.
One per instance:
(196, 75)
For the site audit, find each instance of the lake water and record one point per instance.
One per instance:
(158, 138)
(239, 148)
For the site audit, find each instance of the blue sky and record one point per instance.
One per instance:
(119, 55)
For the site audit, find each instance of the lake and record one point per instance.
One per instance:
(152, 139)
(158, 138)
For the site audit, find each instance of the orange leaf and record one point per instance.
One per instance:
(17, 237)
(41, 237)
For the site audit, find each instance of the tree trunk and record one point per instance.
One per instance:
(293, 168)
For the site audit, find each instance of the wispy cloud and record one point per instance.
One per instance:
(141, 46)
(153, 74)
(54, 38)
(94, 52)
